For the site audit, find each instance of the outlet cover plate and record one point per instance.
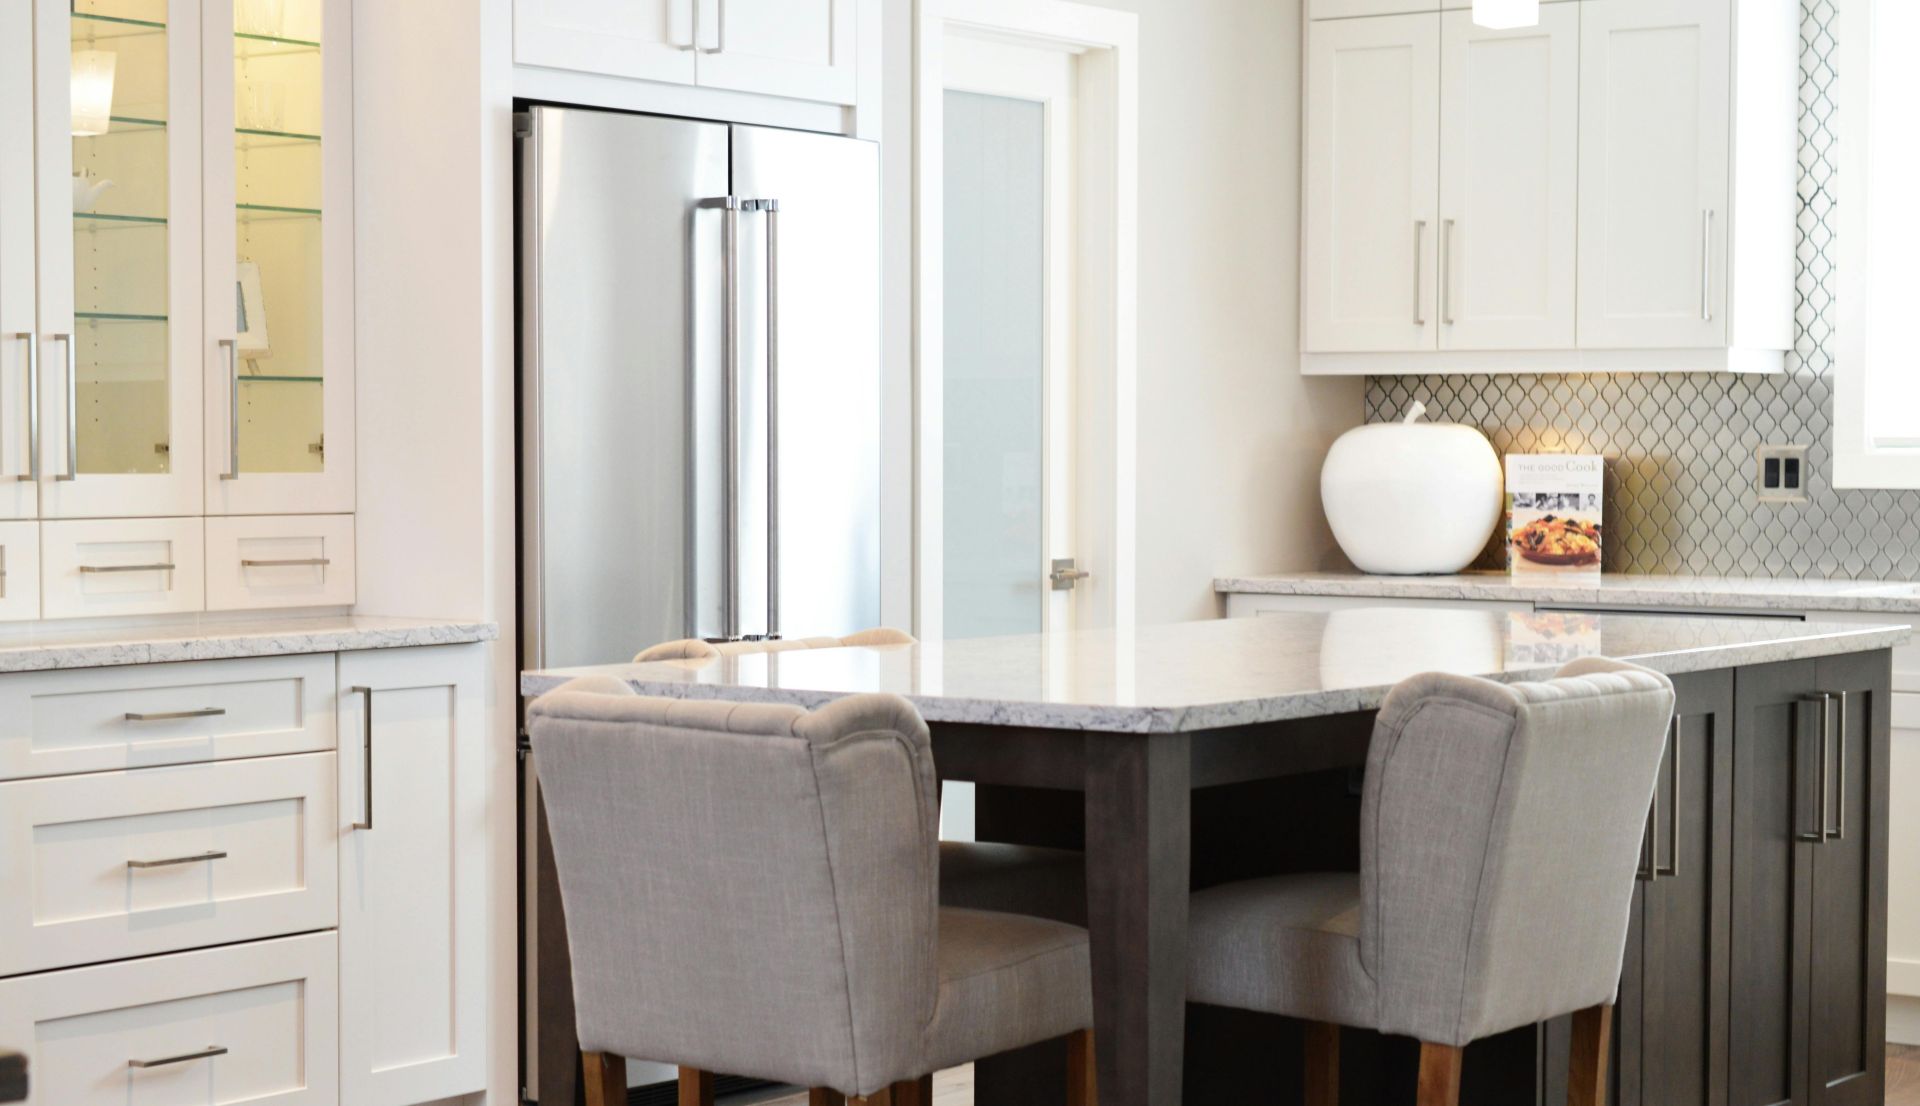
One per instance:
(1780, 474)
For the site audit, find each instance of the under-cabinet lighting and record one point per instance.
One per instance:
(92, 91)
(1502, 15)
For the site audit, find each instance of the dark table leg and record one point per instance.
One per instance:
(559, 1043)
(1138, 859)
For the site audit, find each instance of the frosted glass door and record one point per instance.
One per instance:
(278, 341)
(119, 255)
(995, 365)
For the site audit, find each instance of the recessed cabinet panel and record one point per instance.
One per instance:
(803, 49)
(648, 39)
(122, 567)
(1373, 125)
(1654, 155)
(1510, 119)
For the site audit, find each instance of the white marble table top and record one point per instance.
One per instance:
(1204, 675)
(1702, 593)
(33, 648)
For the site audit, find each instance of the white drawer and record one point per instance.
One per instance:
(118, 864)
(99, 719)
(116, 566)
(1248, 606)
(271, 1008)
(19, 571)
(259, 562)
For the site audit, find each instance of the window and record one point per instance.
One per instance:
(1877, 372)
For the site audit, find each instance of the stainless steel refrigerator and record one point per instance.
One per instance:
(699, 388)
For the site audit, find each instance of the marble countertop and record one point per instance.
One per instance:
(1729, 593)
(36, 648)
(1204, 675)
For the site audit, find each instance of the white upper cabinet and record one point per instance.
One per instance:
(1372, 156)
(797, 49)
(1509, 129)
(1612, 190)
(647, 39)
(1654, 152)
(18, 339)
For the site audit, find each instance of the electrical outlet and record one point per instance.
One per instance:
(1781, 475)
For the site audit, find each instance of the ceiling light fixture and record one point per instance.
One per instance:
(1504, 15)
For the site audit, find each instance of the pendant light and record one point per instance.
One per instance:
(1503, 15)
(92, 91)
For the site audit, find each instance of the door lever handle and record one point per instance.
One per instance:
(1064, 575)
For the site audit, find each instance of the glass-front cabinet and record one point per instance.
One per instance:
(279, 261)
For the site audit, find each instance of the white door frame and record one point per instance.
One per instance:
(1106, 210)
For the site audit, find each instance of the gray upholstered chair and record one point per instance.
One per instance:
(1021, 879)
(751, 889)
(1500, 831)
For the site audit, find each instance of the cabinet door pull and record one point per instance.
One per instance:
(170, 715)
(366, 758)
(290, 562)
(232, 346)
(1648, 871)
(719, 28)
(33, 406)
(1819, 833)
(1673, 807)
(1446, 272)
(1840, 778)
(159, 567)
(172, 861)
(206, 1053)
(1419, 256)
(73, 412)
(1706, 265)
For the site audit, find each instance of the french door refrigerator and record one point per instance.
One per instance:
(699, 390)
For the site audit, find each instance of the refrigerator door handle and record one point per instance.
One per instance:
(730, 618)
(772, 210)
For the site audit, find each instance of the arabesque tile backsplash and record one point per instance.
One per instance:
(1680, 482)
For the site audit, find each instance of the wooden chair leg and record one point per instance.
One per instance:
(1439, 1075)
(913, 1092)
(825, 1096)
(1323, 1064)
(881, 1097)
(1587, 1077)
(1082, 1083)
(696, 1087)
(606, 1076)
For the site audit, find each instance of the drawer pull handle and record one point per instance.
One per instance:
(164, 567)
(216, 854)
(171, 715)
(206, 1053)
(292, 562)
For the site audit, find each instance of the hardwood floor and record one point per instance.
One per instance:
(1903, 1075)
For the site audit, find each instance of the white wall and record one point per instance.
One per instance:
(1231, 436)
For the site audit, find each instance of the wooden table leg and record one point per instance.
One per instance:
(559, 1043)
(1139, 805)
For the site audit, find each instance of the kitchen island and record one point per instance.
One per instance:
(1186, 755)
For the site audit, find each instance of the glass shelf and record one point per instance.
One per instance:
(253, 138)
(124, 124)
(247, 46)
(103, 27)
(269, 213)
(281, 379)
(139, 220)
(116, 317)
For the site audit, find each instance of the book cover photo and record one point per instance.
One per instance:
(1554, 514)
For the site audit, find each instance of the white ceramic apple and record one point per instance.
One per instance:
(1412, 498)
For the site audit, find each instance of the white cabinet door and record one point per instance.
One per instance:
(119, 259)
(1509, 175)
(1654, 119)
(413, 864)
(277, 340)
(1373, 123)
(648, 39)
(18, 345)
(803, 49)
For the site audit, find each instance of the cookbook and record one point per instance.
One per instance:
(1553, 520)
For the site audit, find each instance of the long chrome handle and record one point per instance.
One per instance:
(1419, 259)
(1840, 778)
(772, 210)
(1446, 272)
(214, 854)
(730, 620)
(289, 562)
(232, 347)
(33, 367)
(1673, 807)
(366, 757)
(719, 29)
(1649, 869)
(1706, 265)
(73, 409)
(172, 715)
(32, 475)
(204, 1054)
(693, 26)
(1826, 734)
(163, 566)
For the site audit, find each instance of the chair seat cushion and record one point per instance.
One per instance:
(1284, 945)
(1018, 879)
(1006, 981)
